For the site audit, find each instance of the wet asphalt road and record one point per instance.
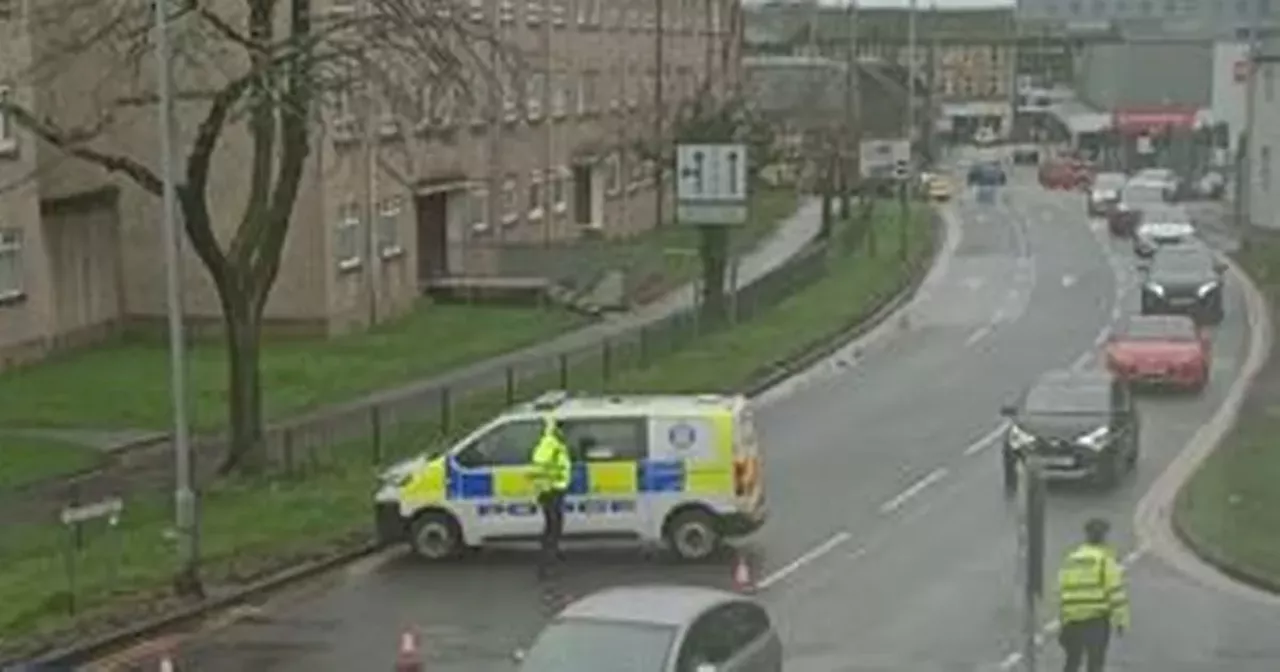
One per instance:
(891, 546)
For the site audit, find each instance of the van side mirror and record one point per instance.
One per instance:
(1008, 410)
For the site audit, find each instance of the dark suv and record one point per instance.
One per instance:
(1076, 425)
(1184, 279)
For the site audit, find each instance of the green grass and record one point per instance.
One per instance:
(25, 460)
(333, 501)
(1230, 508)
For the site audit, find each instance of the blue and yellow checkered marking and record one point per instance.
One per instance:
(610, 478)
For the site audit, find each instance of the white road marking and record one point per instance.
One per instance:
(987, 440)
(1102, 336)
(835, 541)
(915, 489)
(1051, 628)
(977, 335)
(1082, 362)
(1068, 280)
(1115, 310)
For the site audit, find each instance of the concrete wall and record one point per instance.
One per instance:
(1120, 75)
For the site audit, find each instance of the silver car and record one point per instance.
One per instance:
(657, 628)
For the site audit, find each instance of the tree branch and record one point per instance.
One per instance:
(71, 143)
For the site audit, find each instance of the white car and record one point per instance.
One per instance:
(1162, 225)
(1167, 179)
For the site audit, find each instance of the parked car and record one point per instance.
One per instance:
(1164, 350)
(657, 628)
(1161, 224)
(1169, 182)
(1105, 192)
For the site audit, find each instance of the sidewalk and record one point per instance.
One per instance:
(152, 465)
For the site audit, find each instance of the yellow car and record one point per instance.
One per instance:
(940, 188)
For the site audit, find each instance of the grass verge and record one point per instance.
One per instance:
(25, 460)
(308, 515)
(126, 386)
(1229, 511)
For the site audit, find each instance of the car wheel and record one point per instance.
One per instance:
(693, 535)
(435, 536)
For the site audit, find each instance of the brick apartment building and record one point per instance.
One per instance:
(423, 195)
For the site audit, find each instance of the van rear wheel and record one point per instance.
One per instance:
(693, 535)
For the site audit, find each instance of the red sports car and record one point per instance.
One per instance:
(1166, 350)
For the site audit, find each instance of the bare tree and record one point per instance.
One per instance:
(257, 71)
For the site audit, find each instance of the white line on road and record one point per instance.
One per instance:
(986, 441)
(1102, 336)
(837, 540)
(915, 489)
(977, 335)
(1082, 362)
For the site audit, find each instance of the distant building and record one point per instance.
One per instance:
(1262, 189)
(1219, 14)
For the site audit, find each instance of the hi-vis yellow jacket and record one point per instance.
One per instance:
(1090, 585)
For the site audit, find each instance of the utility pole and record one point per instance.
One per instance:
(912, 179)
(187, 580)
(369, 151)
(852, 110)
(659, 114)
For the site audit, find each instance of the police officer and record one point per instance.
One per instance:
(1092, 599)
(551, 473)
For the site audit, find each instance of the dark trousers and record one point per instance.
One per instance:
(1086, 641)
(552, 504)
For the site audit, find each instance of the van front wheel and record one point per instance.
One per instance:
(435, 536)
(693, 535)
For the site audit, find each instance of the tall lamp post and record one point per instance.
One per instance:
(187, 580)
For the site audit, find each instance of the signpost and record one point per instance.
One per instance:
(711, 187)
(712, 193)
(879, 159)
(74, 517)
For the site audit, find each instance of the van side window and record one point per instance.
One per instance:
(606, 439)
(510, 443)
(722, 634)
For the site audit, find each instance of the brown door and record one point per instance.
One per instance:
(433, 243)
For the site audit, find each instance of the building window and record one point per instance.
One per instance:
(506, 11)
(478, 211)
(11, 285)
(534, 196)
(613, 174)
(1264, 8)
(510, 201)
(8, 140)
(347, 239)
(476, 12)
(534, 90)
(560, 95)
(1264, 170)
(533, 12)
(559, 190)
(389, 228)
(8, 8)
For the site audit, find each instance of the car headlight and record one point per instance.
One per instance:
(1019, 438)
(1097, 439)
(1155, 289)
(1206, 288)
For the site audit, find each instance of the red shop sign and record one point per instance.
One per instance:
(1154, 118)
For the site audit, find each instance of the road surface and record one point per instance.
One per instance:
(891, 546)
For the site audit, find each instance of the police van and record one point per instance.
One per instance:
(684, 471)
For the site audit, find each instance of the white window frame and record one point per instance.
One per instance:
(8, 137)
(535, 89)
(348, 224)
(389, 212)
(507, 11)
(510, 203)
(533, 12)
(478, 211)
(11, 253)
(583, 12)
(476, 8)
(558, 12)
(536, 196)
(559, 194)
(510, 101)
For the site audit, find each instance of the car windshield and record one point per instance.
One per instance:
(1059, 398)
(1182, 264)
(580, 645)
(1159, 329)
(1159, 213)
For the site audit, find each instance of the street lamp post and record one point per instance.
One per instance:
(187, 580)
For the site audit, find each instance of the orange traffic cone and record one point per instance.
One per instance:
(742, 579)
(409, 658)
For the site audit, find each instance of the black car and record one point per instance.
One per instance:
(1076, 426)
(987, 174)
(1184, 279)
